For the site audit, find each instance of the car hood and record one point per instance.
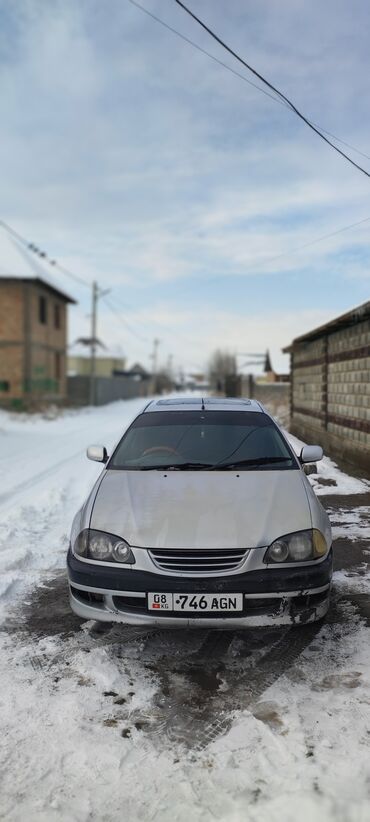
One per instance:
(201, 509)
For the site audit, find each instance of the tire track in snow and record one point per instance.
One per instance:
(203, 693)
(23, 487)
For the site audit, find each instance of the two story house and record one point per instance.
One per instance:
(33, 334)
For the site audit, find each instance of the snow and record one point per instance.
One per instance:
(354, 525)
(47, 479)
(329, 478)
(126, 724)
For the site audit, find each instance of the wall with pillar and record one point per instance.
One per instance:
(330, 391)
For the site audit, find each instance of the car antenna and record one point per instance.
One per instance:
(203, 406)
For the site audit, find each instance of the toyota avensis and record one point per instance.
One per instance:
(202, 516)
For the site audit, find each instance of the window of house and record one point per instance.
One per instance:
(57, 318)
(4, 385)
(58, 365)
(43, 310)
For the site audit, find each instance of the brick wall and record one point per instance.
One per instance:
(11, 341)
(308, 386)
(32, 353)
(331, 392)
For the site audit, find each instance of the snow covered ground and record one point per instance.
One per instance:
(114, 723)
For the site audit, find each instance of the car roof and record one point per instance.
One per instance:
(206, 404)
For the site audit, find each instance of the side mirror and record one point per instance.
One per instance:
(311, 453)
(98, 453)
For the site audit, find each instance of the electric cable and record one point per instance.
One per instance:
(123, 320)
(292, 251)
(271, 87)
(207, 53)
(42, 254)
(241, 76)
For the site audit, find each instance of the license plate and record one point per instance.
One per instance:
(196, 603)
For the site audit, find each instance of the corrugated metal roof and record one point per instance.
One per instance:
(352, 317)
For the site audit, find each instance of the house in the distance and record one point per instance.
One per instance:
(33, 331)
(107, 360)
(137, 372)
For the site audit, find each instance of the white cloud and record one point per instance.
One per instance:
(190, 335)
(137, 161)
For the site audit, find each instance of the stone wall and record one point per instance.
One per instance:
(330, 399)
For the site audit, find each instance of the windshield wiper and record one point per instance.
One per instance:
(252, 463)
(204, 466)
(189, 466)
(181, 466)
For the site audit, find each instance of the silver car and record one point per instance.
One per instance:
(202, 516)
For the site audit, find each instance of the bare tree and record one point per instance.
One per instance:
(221, 365)
(163, 381)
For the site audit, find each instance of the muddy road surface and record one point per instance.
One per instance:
(201, 676)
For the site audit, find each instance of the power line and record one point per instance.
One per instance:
(344, 143)
(272, 87)
(31, 247)
(207, 53)
(317, 240)
(123, 320)
(163, 328)
(242, 76)
(43, 255)
(288, 253)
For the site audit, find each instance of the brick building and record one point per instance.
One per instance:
(33, 333)
(330, 386)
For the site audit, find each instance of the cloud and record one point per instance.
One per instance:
(137, 161)
(190, 335)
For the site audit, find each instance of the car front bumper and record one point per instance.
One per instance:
(280, 596)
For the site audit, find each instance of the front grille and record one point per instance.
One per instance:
(210, 561)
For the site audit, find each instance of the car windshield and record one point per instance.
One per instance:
(208, 440)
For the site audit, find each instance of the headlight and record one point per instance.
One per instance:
(298, 547)
(102, 547)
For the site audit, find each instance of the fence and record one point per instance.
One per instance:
(107, 389)
(274, 395)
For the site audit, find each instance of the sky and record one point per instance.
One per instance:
(133, 159)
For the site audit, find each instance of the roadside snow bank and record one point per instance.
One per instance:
(46, 477)
(329, 478)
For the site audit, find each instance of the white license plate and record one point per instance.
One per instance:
(196, 603)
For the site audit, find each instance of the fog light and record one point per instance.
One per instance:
(279, 551)
(122, 552)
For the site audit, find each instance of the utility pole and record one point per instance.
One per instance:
(154, 356)
(169, 364)
(96, 293)
(94, 303)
